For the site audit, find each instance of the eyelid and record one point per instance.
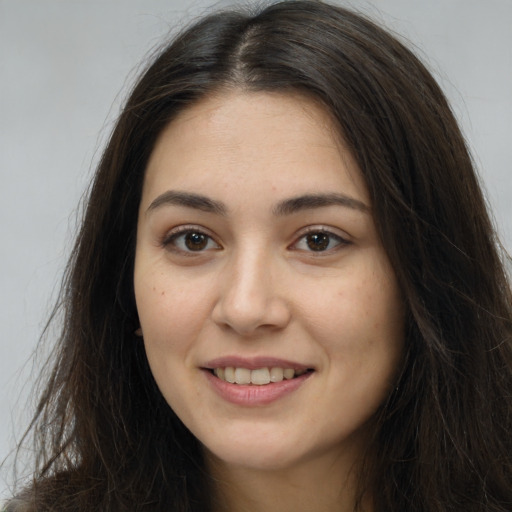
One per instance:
(183, 229)
(344, 238)
(171, 235)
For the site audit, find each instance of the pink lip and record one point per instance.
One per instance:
(253, 395)
(253, 363)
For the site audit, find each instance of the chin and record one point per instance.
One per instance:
(255, 458)
(259, 451)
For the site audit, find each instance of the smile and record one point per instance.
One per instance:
(257, 377)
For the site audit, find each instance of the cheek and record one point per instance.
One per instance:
(170, 317)
(169, 313)
(352, 307)
(359, 321)
(163, 299)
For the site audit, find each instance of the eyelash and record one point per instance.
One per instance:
(170, 240)
(318, 230)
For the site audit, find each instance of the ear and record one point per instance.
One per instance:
(138, 332)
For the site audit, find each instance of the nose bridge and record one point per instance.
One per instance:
(249, 298)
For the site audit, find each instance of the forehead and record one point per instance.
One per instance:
(253, 137)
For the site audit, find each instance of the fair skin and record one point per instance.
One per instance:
(257, 252)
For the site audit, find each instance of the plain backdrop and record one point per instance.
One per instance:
(65, 67)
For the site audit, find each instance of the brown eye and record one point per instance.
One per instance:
(190, 240)
(318, 241)
(196, 241)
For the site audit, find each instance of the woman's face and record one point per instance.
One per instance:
(271, 317)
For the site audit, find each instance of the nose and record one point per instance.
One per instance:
(251, 298)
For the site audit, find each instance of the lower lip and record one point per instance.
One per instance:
(254, 395)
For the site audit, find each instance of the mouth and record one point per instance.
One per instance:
(257, 381)
(259, 376)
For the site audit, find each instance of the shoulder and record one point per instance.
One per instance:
(42, 495)
(16, 505)
(25, 501)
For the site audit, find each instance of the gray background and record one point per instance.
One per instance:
(63, 74)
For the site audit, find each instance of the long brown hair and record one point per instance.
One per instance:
(107, 440)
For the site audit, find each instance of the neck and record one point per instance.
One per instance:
(323, 485)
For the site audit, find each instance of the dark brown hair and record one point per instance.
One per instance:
(109, 441)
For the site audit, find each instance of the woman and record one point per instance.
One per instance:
(286, 293)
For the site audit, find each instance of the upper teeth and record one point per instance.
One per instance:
(259, 377)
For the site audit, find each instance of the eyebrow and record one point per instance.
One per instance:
(283, 208)
(312, 201)
(189, 200)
